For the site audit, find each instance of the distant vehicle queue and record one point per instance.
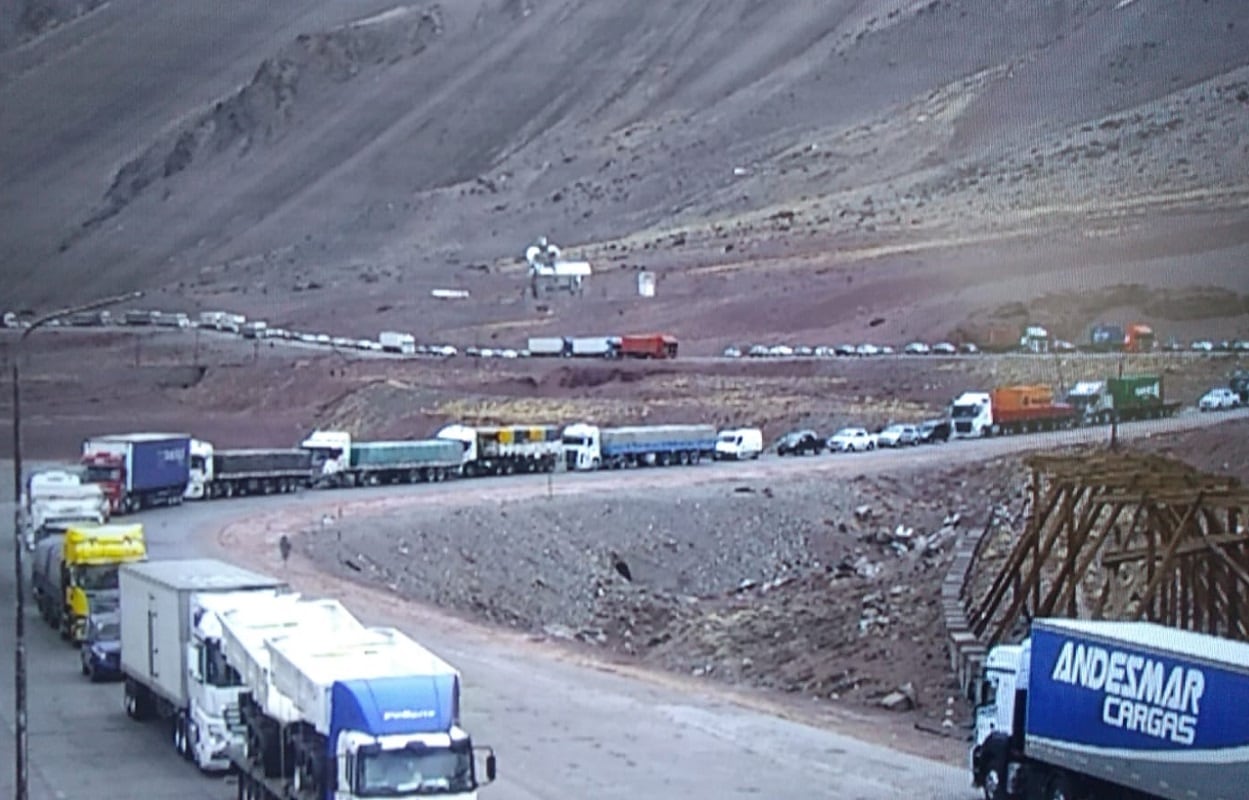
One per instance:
(123, 473)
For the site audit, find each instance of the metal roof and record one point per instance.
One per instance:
(202, 574)
(138, 437)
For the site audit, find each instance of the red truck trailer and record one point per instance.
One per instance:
(651, 345)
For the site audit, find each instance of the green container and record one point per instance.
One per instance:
(428, 452)
(1135, 391)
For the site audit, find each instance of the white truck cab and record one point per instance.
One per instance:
(331, 452)
(582, 446)
(212, 686)
(972, 415)
(739, 444)
(466, 436)
(201, 470)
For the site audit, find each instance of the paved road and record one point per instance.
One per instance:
(563, 729)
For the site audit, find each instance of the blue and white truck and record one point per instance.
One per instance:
(589, 447)
(1122, 710)
(336, 710)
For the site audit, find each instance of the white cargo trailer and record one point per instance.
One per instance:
(171, 653)
(549, 346)
(595, 346)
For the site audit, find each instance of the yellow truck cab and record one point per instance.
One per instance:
(90, 557)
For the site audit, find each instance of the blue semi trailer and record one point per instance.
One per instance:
(1115, 710)
(138, 470)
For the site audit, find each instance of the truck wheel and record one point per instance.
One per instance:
(179, 735)
(994, 786)
(1059, 788)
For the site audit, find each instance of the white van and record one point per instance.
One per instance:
(739, 444)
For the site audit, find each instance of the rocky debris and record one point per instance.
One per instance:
(901, 699)
(812, 591)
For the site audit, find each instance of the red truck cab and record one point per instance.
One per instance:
(1139, 338)
(109, 472)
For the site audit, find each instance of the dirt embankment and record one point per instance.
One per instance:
(809, 588)
(813, 589)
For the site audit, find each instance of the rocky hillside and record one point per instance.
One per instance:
(264, 149)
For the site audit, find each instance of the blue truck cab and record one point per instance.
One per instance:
(401, 736)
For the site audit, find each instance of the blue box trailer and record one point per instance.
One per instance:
(137, 470)
(1131, 710)
(159, 463)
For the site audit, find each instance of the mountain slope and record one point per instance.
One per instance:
(266, 146)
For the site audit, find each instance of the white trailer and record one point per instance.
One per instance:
(549, 346)
(396, 342)
(171, 654)
(595, 346)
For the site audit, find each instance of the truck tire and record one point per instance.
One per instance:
(181, 746)
(1059, 788)
(136, 701)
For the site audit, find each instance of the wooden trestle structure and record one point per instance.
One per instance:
(1124, 536)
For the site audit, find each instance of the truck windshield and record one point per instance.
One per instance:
(574, 441)
(102, 475)
(389, 773)
(215, 669)
(96, 577)
(964, 412)
(105, 631)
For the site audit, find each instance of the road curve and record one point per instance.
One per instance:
(564, 727)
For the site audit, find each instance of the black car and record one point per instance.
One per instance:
(934, 431)
(798, 443)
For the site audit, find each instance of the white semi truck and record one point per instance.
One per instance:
(589, 447)
(171, 650)
(53, 500)
(229, 473)
(503, 450)
(337, 710)
(340, 460)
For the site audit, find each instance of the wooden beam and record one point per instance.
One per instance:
(1147, 597)
(1189, 547)
(1063, 589)
(985, 611)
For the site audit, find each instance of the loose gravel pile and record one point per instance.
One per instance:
(811, 587)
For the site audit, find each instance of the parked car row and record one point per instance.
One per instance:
(858, 439)
(846, 350)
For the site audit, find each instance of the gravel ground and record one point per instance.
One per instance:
(812, 588)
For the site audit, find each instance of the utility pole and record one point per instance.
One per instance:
(21, 774)
(1114, 419)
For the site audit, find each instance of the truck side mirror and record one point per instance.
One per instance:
(491, 768)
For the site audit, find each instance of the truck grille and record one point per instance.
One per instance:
(570, 460)
(233, 718)
(962, 427)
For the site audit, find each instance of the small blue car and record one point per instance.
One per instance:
(101, 649)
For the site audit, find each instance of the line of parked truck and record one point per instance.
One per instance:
(652, 345)
(294, 694)
(123, 473)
